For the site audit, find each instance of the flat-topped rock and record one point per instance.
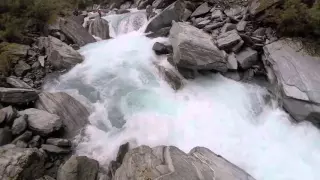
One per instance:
(17, 95)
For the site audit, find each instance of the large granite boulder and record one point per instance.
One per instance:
(194, 49)
(297, 76)
(171, 163)
(21, 163)
(100, 28)
(174, 12)
(73, 114)
(60, 55)
(79, 168)
(42, 122)
(76, 32)
(17, 95)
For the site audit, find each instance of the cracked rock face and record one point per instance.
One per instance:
(171, 163)
(298, 78)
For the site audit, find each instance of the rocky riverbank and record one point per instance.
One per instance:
(37, 127)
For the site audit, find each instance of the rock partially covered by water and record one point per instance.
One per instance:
(73, 114)
(79, 168)
(21, 163)
(60, 55)
(194, 49)
(76, 32)
(164, 162)
(100, 28)
(174, 12)
(297, 76)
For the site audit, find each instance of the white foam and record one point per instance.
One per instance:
(228, 117)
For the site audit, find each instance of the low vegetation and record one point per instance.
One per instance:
(298, 18)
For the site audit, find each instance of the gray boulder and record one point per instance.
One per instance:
(174, 12)
(19, 125)
(76, 32)
(26, 136)
(42, 122)
(194, 49)
(163, 32)
(247, 58)
(232, 62)
(79, 168)
(5, 136)
(17, 83)
(21, 68)
(59, 142)
(228, 40)
(100, 28)
(296, 73)
(160, 48)
(202, 9)
(257, 6)
(55, 149)
(73, 114)
(60, 55)
(164, 162)
(21, 163)
(17, 95)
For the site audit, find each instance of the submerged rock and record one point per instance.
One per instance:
(164, 162)
(297, 76)
(193, 49)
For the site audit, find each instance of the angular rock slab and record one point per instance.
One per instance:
(202, 9)
(76, 32)
(297, 75)
(194, 49)
(21, 163)
(42, 122)
(73, 114)
(60, 55)
(17, 95)
(79, 168)
(171, 163)
(99, 27)
(174, 12)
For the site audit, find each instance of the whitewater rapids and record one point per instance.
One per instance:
(130, 102)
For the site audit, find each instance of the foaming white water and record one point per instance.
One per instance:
(132, 103)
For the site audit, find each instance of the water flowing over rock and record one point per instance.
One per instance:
(193, 49)
(174, 12)
(164, 162)
(298, 77)
(73, 114)
(76, 32)
(17, 95)
(79, 168)
(42, 122)
(100, 28)
(21, 163)
(60, 55)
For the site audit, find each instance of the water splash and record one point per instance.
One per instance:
(232, 119)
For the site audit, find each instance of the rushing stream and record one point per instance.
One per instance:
(131, 102)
